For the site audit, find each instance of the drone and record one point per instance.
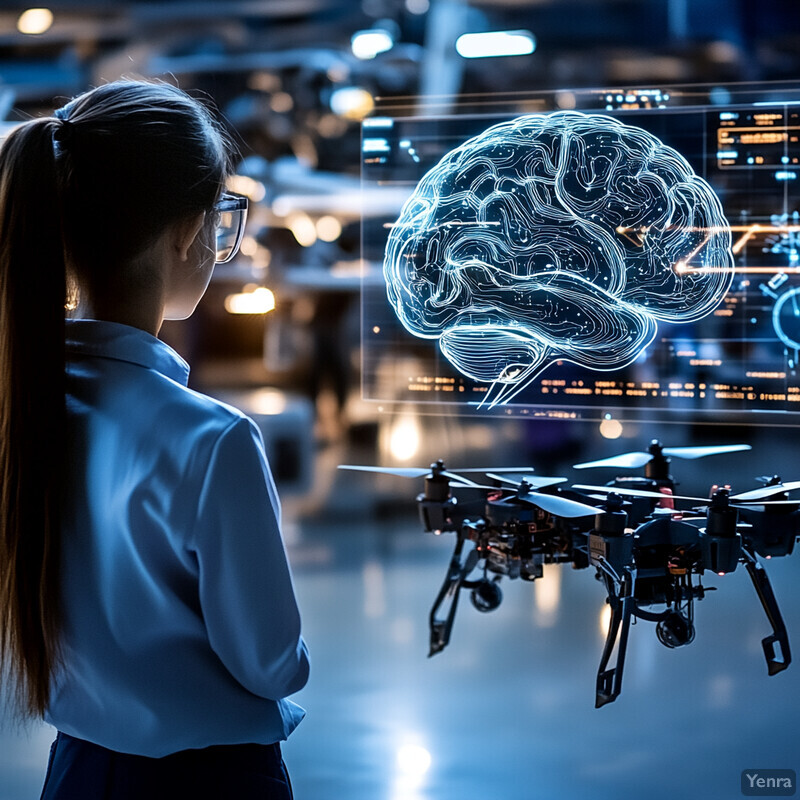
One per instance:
(649, 555)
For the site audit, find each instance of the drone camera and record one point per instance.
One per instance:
(487, 595)
(675, 630)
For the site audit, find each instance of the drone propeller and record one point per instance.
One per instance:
(769, 491)
(622, 461)
(417, 472)
(736, 499)
(639, 458)
(702, 452)
(487, 470)
(554, 504)
(534, 481)
(639, 493)
(403, 472)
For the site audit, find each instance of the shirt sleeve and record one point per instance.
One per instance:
(245, 585)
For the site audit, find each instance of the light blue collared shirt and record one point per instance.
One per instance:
(181, 628)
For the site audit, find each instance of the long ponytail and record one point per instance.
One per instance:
(82, 195)
(32, 411)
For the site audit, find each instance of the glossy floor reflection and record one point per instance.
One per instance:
(506, 712)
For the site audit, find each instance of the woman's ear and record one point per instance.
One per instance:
(186, 232)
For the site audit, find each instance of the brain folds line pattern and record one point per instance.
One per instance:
(563, 236)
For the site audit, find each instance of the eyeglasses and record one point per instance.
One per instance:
(231, 211)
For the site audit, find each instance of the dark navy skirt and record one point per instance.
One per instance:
(80, 770)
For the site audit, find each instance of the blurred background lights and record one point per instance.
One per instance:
(242, 184)
(352, 102)
(268, 402)
(495, 43)
(281, 102)
(249, 246)
(302, 228)
(720, 96)
(610, 428)
(417, 6)
(35, 20)
(413, 760)
(566, 100)
(404, 438)
(253, 300)
(368, 44)
(328, 228)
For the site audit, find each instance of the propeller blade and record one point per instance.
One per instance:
(560, 506)
(535, 481)
(671, 512)
(418, 472)
(458, 478)
(756, 505)
(403, 472)
(471, 485)
(487, 470)
(702, 452)
(639, 493)
(622, 461)
(767, 491)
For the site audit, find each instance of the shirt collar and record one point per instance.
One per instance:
(124, 343)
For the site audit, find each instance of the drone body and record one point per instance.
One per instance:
(650, 557)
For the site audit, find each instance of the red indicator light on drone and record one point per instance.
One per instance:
(721, 574)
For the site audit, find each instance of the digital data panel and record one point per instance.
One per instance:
(624, 257)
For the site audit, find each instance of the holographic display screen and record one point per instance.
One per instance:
(641, 263)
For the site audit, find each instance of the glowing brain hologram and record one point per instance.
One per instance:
(563, 236)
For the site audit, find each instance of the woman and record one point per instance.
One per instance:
(146, 605)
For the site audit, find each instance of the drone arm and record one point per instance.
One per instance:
(609, 681)
(776, 646)
(441, 628)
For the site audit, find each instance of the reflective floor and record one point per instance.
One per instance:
(507, 710)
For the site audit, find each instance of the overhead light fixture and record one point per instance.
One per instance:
(368, 44)
(35, 20)
(495, 43)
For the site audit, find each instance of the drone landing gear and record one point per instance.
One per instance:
(776, 646)
(609, 681)
(451, 589)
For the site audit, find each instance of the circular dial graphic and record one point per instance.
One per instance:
(786, 318)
